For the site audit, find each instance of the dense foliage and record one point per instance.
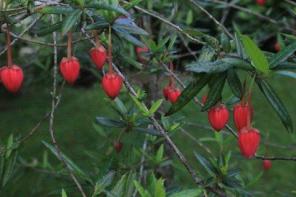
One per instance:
(157, 62)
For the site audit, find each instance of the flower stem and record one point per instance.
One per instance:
(69, 45)
(9, 50)
(110, 51)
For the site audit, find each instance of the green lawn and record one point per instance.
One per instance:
(75, 134)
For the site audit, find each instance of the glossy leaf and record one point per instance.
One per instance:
(187, 193)
(276, 103)
(257, 57)
(108, 122)
(70, 21)
(287, 74)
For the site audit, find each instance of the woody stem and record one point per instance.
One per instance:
(98, 43)
(9, 50)
(110, 51)
(69, 45)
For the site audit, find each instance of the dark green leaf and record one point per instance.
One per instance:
(128, 25)
(276, 103)
(287, 73)
(48, 29)
(148, 131)
(215, 91)
(108, 122)
(285, 66)
(189, 92)
(70, 21)
(97, 25)
(282, 55)
(206, 164)
(208, 67)
(127, 36)
(234, 83)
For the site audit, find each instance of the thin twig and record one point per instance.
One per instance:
(51, 119)
(166, 21)
(228, 127)
(213, 18)
(22, 33)
(158, 127)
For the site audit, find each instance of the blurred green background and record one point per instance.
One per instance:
(76, 135)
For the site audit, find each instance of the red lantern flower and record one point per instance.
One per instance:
(218, 117)
(98, 56)
(70, 68)
(112, 84)
(12, 77)
(248, 140)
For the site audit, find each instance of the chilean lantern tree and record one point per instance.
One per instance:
(147, 98)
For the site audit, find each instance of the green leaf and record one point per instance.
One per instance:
(257, 57)
(129, 26)
(189, 92)
(141, 190)
(130, 38)
(159, 190)
(70, 163)
(97, 25)
(287, 74)
(64, 194)
(110, 7)
(56, 10)
(44, 30)
(9, 146)
(215, 92)
(206, 164)
(140, 106)
(159, 154)
(108, 122)
(208, 67)
(234, 83)
(155, 106)
(132, 4)
(148, 131)
(104, 182)
(187, 193)
(282, 55)
(119, 187)
(276, 103)
(70, 21)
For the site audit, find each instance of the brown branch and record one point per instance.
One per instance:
(158, 127)
(51, 119)
(228, 127)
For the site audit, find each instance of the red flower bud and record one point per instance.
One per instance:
(70, 68)
(248, 140)
(204, 99)
(267, 164)
(173, 94)
(261, 2)
(12, 77)
(112, 84)
(277, 47)
(118, 146)
(166, 90)
(140, 51)
(242, 114)
(98, 56)
(218, 117)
